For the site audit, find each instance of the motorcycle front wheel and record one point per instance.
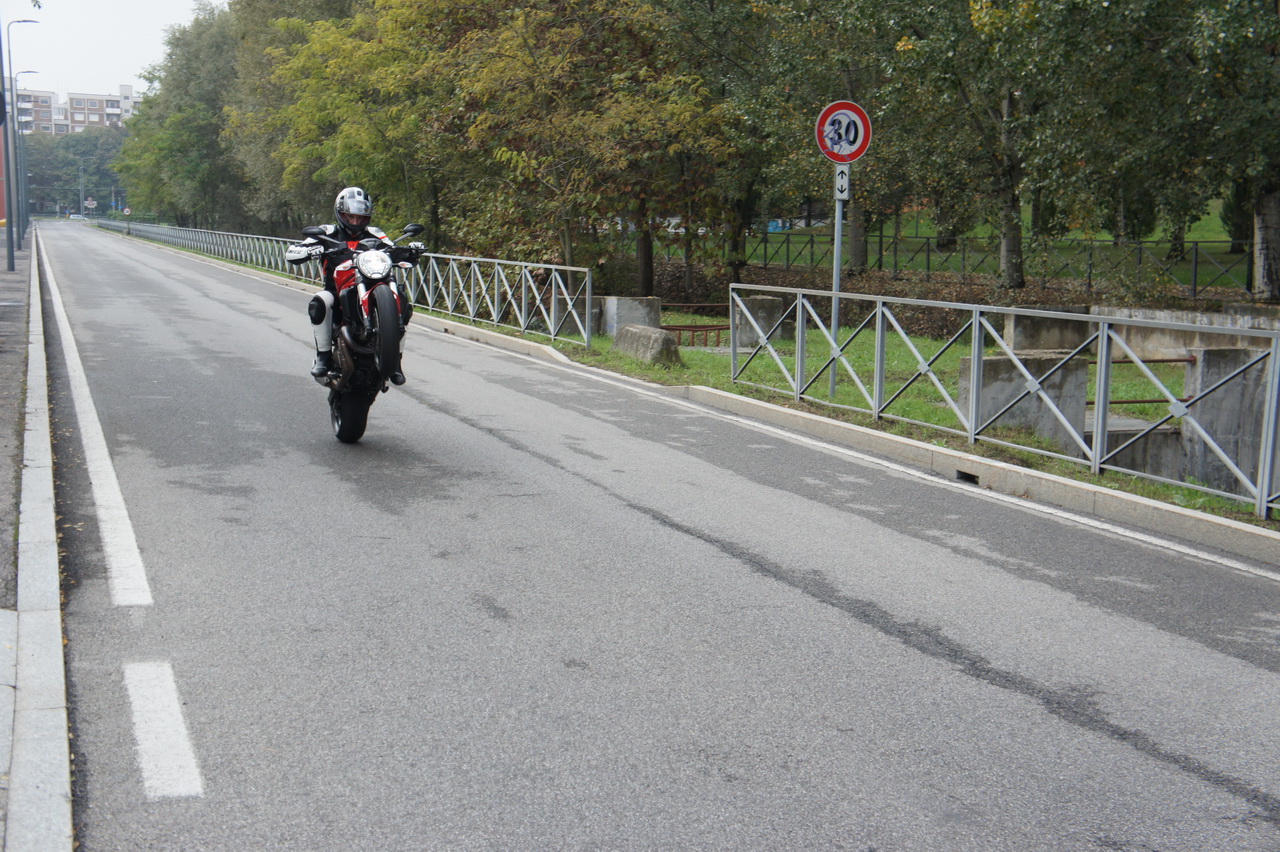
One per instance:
(386, 331)
(349, 413)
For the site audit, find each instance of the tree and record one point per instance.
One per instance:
(1234, 48)
(174, 161)
(268, 33)
(60, 167)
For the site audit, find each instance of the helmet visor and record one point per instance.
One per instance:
(355, 220)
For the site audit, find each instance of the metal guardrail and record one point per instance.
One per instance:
(535, 298)
(1215, 430)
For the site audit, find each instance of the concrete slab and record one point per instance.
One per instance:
(38, 817)
(8, 651)
(41, 680)
(38, 583)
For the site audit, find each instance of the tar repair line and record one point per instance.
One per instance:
(126, 574)
(165, 756)
(836, 449)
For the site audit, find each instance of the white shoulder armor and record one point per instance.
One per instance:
(377, 232)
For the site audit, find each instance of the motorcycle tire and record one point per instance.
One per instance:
(386, 331)
(349, 413)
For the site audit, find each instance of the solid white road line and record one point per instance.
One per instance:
(126, 574)
(165, 756)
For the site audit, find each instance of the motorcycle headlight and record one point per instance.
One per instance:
(373, 264)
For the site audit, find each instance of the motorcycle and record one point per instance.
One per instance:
(370, 315)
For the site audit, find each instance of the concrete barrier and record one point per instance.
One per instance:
(766, 311)
(621, 311)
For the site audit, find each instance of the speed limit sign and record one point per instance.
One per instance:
(843, 131)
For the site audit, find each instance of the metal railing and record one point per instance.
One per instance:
(1214, 427)
(535, 298)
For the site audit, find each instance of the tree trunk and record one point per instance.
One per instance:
(437, 239)
(1266, 245)
(687, 239)
(1177, 241)
(744, 210)
(857, 237)
(1237, 216)
(1012, 276)
(1118, 236)
(566, 240)
(644, 247)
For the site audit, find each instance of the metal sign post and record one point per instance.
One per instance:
(844, 134)
(837, 247)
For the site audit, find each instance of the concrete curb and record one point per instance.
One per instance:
(492, 338)
(1140, 513)
(38, 813)
(1116, 506)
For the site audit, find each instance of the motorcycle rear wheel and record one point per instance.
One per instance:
(386, 331)
(349, 413)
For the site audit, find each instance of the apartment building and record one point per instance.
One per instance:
(44, 112)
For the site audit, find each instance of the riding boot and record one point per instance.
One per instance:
(397, 376)
(323, 365)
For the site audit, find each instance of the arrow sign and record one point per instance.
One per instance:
(843, 131)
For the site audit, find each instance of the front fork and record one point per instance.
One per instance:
(404, 309)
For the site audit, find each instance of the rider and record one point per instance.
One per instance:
(353, 209)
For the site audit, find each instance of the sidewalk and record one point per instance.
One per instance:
(35, 787)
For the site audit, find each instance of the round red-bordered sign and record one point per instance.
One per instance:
(843, 131)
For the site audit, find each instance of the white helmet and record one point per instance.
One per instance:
(354, 209)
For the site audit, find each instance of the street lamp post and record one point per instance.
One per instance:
(20, 159)
(8, 158)
(13, 183)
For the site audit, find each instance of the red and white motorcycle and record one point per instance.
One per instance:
(370, 315)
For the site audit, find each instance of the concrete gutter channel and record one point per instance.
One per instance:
(35, 747)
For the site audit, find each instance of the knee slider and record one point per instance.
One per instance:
(318, 307)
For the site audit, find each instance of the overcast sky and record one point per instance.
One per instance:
(91, 46)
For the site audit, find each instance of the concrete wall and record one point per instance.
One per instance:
(1031, 333)
(1002, 382)
(1232, 415)
(1166, 343)
(1028, 333)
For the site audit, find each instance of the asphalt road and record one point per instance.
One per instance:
(540, 607)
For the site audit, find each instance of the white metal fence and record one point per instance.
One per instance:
(1186, 404)
(536, 298)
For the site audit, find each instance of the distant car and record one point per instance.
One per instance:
(75, 216)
